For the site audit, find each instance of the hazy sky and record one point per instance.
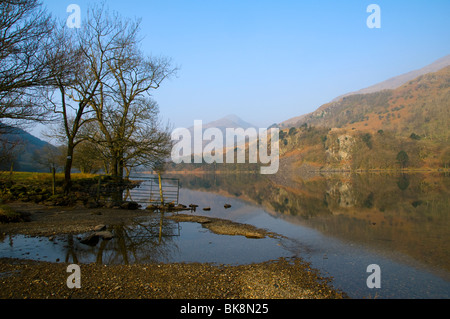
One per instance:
(268, 61)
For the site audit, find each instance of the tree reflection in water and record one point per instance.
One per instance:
(143, 241)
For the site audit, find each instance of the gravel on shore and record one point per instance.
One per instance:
(54, 220)
(280, 279)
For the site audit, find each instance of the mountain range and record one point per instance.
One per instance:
(230, 121)
(366, 129)
(405, 127)
(390, 84)
(27, 145)
(401, 123)
(421, 106)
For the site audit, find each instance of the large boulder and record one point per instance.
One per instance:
(90, 240)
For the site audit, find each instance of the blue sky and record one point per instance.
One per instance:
(268, 61)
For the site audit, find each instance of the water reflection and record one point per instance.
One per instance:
(397, 213)
(151, 239)
(341, 222)
(142, 241)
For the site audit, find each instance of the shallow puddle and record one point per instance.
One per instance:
(153, 239)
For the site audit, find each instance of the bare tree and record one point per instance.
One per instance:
(137, 139)
(104, 96)
(49, 157)
(24, 37)
(126, 115)
(71, 93)
(9, 150)
(88, 158)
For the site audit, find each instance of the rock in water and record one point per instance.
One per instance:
(99, 227)
(90, 240)
(93, 239)
(105, 235)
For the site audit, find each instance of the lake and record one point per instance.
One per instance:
(340, 223)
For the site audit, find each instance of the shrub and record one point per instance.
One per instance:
(9, 215)
(402, 158)
(367, 138)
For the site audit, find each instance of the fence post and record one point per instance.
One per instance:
(160, 189)
(98, 187)
(53, 180)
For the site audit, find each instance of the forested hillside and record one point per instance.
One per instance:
(403, 128)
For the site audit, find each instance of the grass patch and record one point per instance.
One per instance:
(9, 215)
(22, 177)
(38, 188)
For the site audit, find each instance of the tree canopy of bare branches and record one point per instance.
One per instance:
(126, 115)
(100, 93)
(25, 28)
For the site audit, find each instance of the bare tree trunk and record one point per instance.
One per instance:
(120, 164)
(114, 168)
(117, 193)
(53, 180)
(68, 168)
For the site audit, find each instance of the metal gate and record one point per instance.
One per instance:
(148, 192)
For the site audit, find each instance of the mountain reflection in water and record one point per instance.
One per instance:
(394, 213)
(340, 223)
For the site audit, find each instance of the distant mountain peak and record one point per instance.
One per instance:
(232, 117)
(229, 121)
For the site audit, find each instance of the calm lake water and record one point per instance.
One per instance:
(340, 223)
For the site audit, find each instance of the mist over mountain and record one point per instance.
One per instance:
(230, 121)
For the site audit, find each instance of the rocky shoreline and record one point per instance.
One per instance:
(23, 279)
(280, 279)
